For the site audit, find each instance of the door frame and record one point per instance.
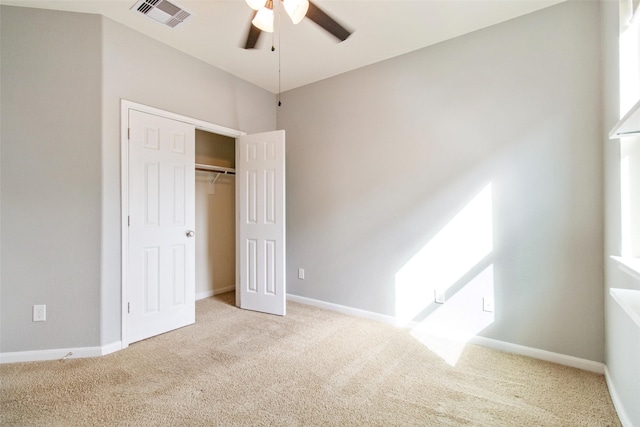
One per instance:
(125, 106)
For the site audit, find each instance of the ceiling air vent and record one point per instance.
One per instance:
(161, 11)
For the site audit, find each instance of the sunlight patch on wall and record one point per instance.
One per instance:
(625, 217)
(630, 196)
(629, 66)
(447, 330)
(465, 241)
(629, 146)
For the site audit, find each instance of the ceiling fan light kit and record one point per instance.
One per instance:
(297, 10)
(256, 4)
(264, 18)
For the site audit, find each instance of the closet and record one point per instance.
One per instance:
(215, 208)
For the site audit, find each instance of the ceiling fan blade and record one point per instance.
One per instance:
(318, 16)
(253, 35)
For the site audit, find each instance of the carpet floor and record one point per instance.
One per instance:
(313, 367)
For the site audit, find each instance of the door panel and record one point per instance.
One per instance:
(260, 175)
(151, 281)
(161, 264)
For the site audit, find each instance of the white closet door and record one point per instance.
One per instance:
(161, 265)
(260, 187)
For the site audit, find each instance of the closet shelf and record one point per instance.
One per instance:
(216, 169)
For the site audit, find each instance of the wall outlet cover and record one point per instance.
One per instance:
(487, 304)
(39, 313)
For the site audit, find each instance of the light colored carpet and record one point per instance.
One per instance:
(312, 367)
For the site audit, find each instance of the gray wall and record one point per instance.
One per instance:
(63, 76)
(51, 165)
(381, 159)
(140, 69)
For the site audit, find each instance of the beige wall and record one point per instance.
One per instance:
(215, 216)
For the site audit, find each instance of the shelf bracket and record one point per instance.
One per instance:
(212, 184)
(216, 171)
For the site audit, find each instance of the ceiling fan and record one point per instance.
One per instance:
(297, 10)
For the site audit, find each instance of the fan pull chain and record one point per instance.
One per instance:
(279, 54)
(279, 68)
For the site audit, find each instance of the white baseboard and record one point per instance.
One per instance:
(80, 352)
(59, 354)
(203, 295)
(344, 309)
(617, 403)
(562, 359)
(224, 290)
(208, 294)
(111, 348)
(536, 353)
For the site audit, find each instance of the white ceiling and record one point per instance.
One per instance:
(305, 53)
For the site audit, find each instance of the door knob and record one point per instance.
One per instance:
(190, 233)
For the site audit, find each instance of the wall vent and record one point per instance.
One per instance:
(161, 11)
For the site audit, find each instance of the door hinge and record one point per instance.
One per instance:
(128, 133)
(128, 221)
(128, 307)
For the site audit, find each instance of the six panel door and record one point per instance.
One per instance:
(161, 262)
(260, 187)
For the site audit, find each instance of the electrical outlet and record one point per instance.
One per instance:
(439, 297)
(487, 304)
(39, 313)
(301, 273)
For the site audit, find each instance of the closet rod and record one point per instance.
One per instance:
(217, 169)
